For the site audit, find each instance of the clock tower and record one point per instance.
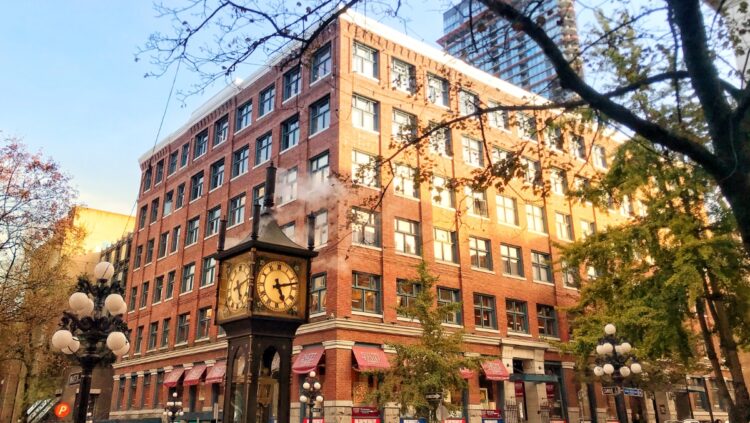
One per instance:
(262, 300)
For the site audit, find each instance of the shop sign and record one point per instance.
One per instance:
(550, 392)
(365, 415)
(491, 414)
(74, 378)
(633, 392)
(314, 420)
(611, 390)
(62, 409)
(412, 420)
(556, 421)
(518, 385)
(454, 420)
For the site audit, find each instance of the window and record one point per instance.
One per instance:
(221, 130)
(546, 319)
(442, 194)
(365, 60)
(571, 278)
(407, 292)
(591, 272)
(172, 164)
(440, 141)
(578, 147)
(512, 260)
(288, 230)
(292, 82)
(403, 126)
(535, 218)
(437, 90)
(541, 267)
(321, 228)
(183, 328)
(600, 157)
(196, 186)
(133, 298)
(407, 237)
(137, 350)
(217, 174)
(499, 154)
(515, 312)
(259, 192)
(154, 210)
(588, 228)
(142, 216)
(185, 154)
(204, 323)
(165, 332)
(446, 296)
(159, 172)
(171, 276)
(290, 133)
(365, 169)
(484, 311)
(138, 255)
(175, 239)
(265, 101)
(244, 116)
(527, 126)
(320, 115)
(364, 113)
(365, 228)
(147, 180)
(403, 76)
(321, 63)
(319, 169)
(156, 399)
(200, 145)
(180, 196)
(212, 221)
(188, 278)
(473, 152)
(191, 235)
(564, 226)
(144, 295)
(131, 401)
(263, 149)
(209, 271)
(288, 186)
(499, 118)
(237, 210)
(532, 171)
(476, 202)
(405, 181)
(558, 181)
(153, 333)
(554, 138)
(168, 203)
(479, 250)
(366, 292)
(163, 241)
(149, 251)
(158, 289)
(507, 212)
(318, 294)
(467, 102)
(626, 208)
(240, 160)
(445, 245)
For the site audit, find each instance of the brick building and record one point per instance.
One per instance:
(360, 89)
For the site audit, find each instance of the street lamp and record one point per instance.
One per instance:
(616, 362)
(311, 393)
(173, 409)
(93, 332)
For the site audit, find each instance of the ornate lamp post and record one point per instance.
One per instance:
(93, 333)
(173, 409)
(615, 362)
(311, 393)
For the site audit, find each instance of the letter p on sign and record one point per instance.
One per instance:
(62, 409)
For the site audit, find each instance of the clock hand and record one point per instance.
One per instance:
(278, 286)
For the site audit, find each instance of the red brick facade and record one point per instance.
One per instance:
(338, 327)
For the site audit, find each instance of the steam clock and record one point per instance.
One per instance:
(262, 300)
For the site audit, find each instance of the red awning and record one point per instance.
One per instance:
(193, 376)
(170, 381)
(495, 370)
(370, 359)
(466, 373)
(308, 359)
(216, 373)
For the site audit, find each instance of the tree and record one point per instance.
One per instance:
(678, 263)
(430, 365)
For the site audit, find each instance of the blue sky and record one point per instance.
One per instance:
(69, 86)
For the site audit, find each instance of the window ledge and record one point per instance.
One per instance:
(406, 319)
(237, 176)
(365, 76)
(215, 188)
(261, 164)
(509, 225)
(440, 206)
(211, 236)
(452, 325)
(288, 148)
(190, 245)
(520, 278)
(186, 292)
(485, 330)
(311, 136)
(235, 225)
(543, 282)
(572, 288)
(202, 340)
(479, 269)
(478, 216)
(155, 303)
(358, 185)
(318, 314)
(366, 314)
(206, 286)
(522, 334)
(320, 78)
(292, 97)
(447, 263)
(415, 256)
(239, 131)
(549, 337)
(369, 247)
(406, 197)
(179, 344)
(268, 112)
(195, 199)
(369, 131)
(537, 232)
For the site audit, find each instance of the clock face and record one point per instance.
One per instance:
(277, 286)
(238, 282)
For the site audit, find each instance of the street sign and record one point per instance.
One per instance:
(435, 397)
(74, 378)
(62, 409)
(611, 390)
(633, 392)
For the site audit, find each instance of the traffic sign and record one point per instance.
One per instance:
(62, 409)
(611, 390)
(633, 392)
